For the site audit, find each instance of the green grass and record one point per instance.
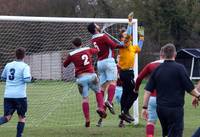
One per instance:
(55, 111)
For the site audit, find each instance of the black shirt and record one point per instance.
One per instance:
(171, 81)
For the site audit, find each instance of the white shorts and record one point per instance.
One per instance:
(107, 70)
(88, 81)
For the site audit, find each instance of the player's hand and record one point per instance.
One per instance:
(195, 102)
(144, 114)
(141, 31)
(130, 17)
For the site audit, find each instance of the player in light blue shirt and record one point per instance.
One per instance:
(16, 74)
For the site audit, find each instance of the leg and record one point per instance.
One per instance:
(163, 120)
(111, 77)
(94, 85)
(21, 111)
(20, 126)
(130, 85)
(83, 89)
(9, 109)
(85, 108)
(176, 122)
(152, 117)
(197, 133)
(111, 91)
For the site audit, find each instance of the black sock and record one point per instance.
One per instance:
(20, 129)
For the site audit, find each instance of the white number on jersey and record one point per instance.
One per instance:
(95, 45)
(85, 59)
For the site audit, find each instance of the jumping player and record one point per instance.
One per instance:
(86, 77)
(106, 65)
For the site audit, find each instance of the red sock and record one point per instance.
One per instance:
(99, 99)
(102, 92)
(85, 107)
(149, 130)
(111, 93)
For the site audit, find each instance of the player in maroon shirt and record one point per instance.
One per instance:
(152, 115)
(106, 65)
(86, 77)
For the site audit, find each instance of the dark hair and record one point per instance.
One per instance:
(20, 53)
(91, 28)
(121, 33)
(169, 50)
(77, 42)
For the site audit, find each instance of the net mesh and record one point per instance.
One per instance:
(53, 97)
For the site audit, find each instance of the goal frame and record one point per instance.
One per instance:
(88, 20)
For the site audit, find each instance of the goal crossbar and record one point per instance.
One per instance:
(63, 19)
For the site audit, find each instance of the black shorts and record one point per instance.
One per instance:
(13, 104)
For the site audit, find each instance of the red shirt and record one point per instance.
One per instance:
(146, 71)
(82, 59)
(105, 45)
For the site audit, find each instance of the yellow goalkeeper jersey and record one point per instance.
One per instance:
(127, 56)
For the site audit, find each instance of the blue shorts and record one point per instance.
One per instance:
(107, 70)
(13, 104)
(152, 114)
(88, 81)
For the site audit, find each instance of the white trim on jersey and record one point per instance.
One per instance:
(157, 61)
(78, 50)
(97, 35)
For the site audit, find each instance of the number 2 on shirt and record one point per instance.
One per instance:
(85, 58)
(12, 74)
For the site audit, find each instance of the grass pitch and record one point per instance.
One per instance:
(55, 111)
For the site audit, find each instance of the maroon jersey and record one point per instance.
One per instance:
(105, 45)
(82, 59)
(146, 71)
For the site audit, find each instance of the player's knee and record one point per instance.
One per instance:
(23, 120)
(8, 118)
(85, 99)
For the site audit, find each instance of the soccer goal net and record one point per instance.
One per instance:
(53, 96)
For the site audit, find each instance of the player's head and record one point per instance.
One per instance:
(93, 28)
(77, 42)
(122, 34)
(20, 53)
(169, 51)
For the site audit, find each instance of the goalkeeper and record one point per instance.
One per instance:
(126, 72)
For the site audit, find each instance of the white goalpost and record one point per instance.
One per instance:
(47, 40)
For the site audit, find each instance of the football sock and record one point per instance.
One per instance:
(99, 99)
(85, 107)
(20, 129)
(3, 120)
(149, 130)
(111, 92)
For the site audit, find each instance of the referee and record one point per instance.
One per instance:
(171, 81)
